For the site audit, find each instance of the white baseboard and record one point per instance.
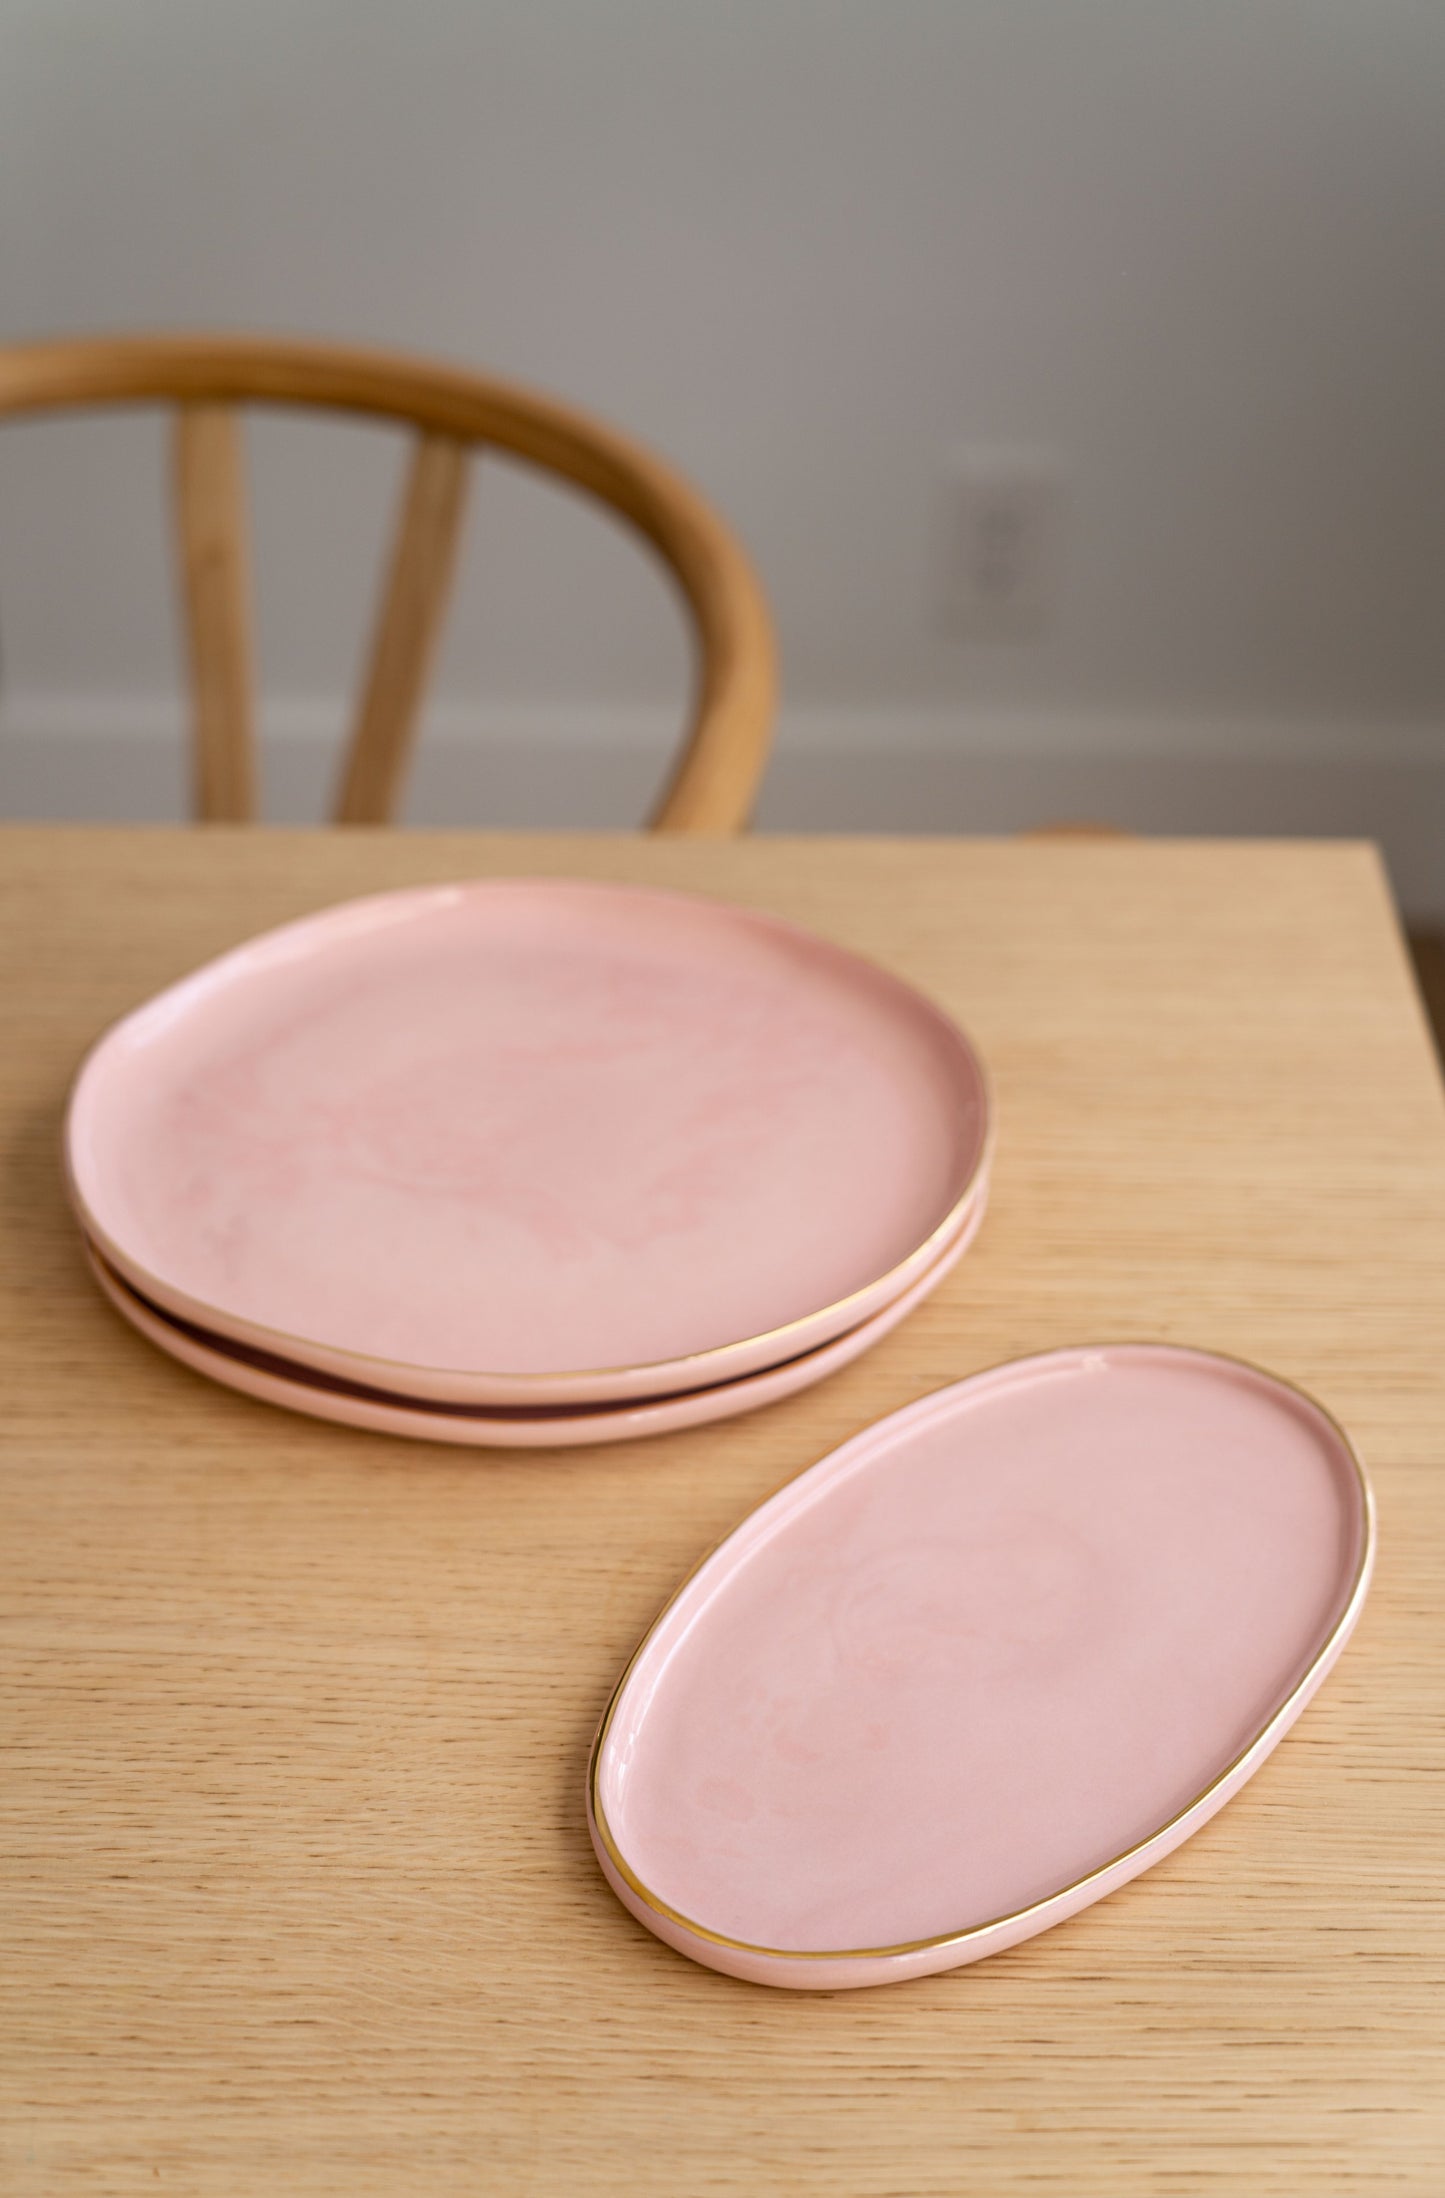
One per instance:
(78, 756)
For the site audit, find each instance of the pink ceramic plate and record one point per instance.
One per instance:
(523, 1427)
(980, 1666)
(529, 1142)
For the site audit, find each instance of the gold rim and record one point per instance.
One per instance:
(293, 1376)
(183, 1306)
(944, 1940)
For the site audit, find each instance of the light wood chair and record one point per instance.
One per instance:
(206, 378)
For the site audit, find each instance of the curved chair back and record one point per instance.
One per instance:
(208, 378)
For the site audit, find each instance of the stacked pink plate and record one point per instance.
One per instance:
(528, 1161)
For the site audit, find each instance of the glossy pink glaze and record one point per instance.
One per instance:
(1028, 1632)
(529, 1141)
(524, 1429)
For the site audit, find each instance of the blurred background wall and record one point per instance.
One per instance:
(1172, 274)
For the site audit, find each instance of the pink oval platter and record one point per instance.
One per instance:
(979, 1667)
(273, 1381)
(529, 1142)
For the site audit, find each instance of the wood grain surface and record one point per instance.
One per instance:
(297, 1892)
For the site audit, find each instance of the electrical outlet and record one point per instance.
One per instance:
(1002, 548)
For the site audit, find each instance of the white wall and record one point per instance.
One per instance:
(810, 248)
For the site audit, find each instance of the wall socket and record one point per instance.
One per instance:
(1002, 541)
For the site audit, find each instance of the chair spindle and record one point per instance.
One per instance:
(215, 589)
(408, 629)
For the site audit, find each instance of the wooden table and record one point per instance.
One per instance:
(298, 1894)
